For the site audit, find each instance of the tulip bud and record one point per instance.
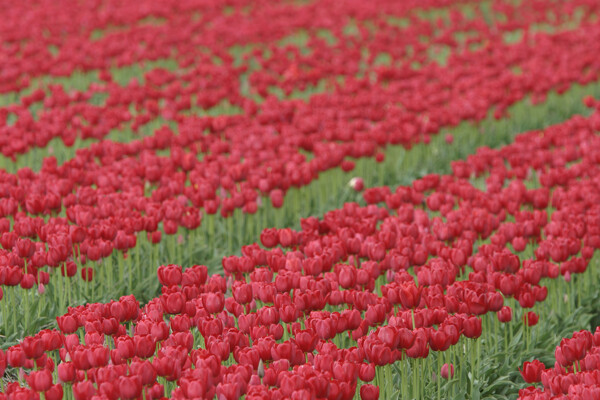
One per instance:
(261, 369)
(531, 318)
(276, 196)
(447, 370)
(87, 274)
(357, 184)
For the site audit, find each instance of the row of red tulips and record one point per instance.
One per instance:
(60, 38)
(392, 97)
(575, 374)
(78, 213)
(349, 294)
(29, 51)
(199, 81)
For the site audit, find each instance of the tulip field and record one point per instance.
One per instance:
(299, 199)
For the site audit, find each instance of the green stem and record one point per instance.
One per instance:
(26, 310)
(439, 375)
(230, 234)
(472, 368)
(109, 268)
(137, 250)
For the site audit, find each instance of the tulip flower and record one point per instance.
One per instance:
(447, 371)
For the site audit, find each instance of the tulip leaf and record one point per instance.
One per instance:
(516, 340)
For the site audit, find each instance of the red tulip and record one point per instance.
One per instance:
(276, 198)
(447, 371)
(366, 372)
(173, 303)
(33, 347)
(27, 281)
(40, 381)
(87, 274)
(83, 390)
(505, 314)
(15, 356)
(144, 346)
(369, 392)
(472, 327)
(531, 318)
(440, 341)
(213, 302)
(54, 393)
(169, 275)
(3, 362)
(130, 387)
(357, 184)
(269, 237)
(532, 371)
(66, 372)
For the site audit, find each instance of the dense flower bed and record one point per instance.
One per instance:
(314, 311)
(411, 95)
(394, 296)
(574, 375)
(68, 217)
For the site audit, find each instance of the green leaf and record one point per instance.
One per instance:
(461, 395)
(516, 340)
